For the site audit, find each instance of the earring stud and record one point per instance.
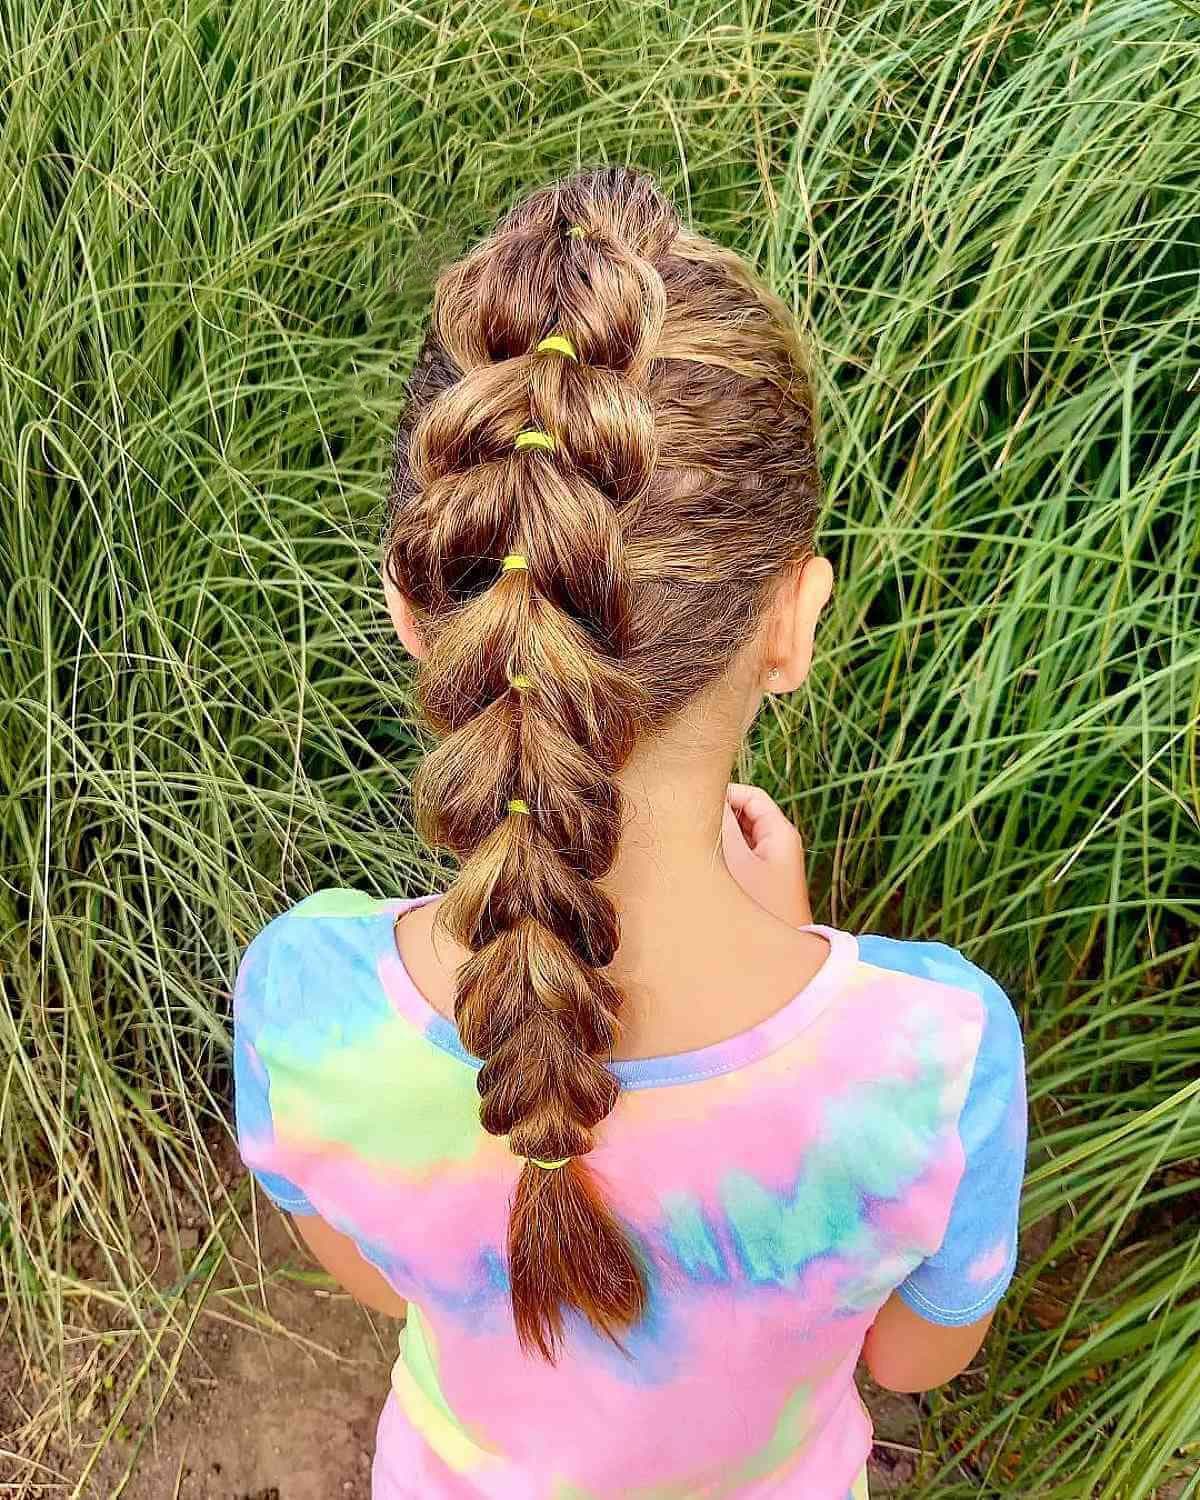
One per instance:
(773, 675)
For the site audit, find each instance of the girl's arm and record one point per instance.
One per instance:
(904, 1352)
(343, 1260)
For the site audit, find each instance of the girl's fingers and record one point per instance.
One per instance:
(762, 821)
(737, 793)
(765, 854)
(751, 806)
(732, 832)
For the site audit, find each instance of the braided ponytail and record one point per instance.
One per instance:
(523, 479)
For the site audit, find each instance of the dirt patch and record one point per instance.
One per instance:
(276, 1397)
(265, 1417)
(260, 1415)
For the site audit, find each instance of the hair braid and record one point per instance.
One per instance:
(533, 1001)
(670, 479)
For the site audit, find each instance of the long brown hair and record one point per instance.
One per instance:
(681, 482)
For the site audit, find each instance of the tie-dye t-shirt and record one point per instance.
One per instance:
(867, 1137)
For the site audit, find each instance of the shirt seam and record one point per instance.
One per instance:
(999, 1284)
(291, 1205)
(282, 1200)
(628, 1079)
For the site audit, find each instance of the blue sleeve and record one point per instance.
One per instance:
(255, 1001)
(971, 1269)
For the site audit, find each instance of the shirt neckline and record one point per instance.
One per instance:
(666, 1069)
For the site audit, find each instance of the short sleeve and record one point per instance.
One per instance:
(970, 1271)
(254, 1000)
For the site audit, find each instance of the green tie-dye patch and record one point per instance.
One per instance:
(388, 1097)
(339, 903)
(692, 1240)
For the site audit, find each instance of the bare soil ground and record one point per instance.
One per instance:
(275, 1398)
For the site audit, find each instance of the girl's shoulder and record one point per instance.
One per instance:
(967, 1275)
(331, 904)
(318, 959)
(315, 1040)
(940, 964)
(332, 914)
(993, 1118)
(995, 1055)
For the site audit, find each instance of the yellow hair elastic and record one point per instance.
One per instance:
(576, 232)
(532, 438)
(558, 343)
(514, 563)
(517, 806)
(520, 682)
(546, 1166)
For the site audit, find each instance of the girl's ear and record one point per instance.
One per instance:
(793, 624)
(403, 618)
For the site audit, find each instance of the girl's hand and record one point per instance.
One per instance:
(765, 854)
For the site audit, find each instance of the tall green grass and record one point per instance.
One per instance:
(218, 228)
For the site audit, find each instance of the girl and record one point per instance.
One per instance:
(651, 1159)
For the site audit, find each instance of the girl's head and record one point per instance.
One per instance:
(603, 503)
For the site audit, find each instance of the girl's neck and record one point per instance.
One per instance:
(699, 960)
(669, 874)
